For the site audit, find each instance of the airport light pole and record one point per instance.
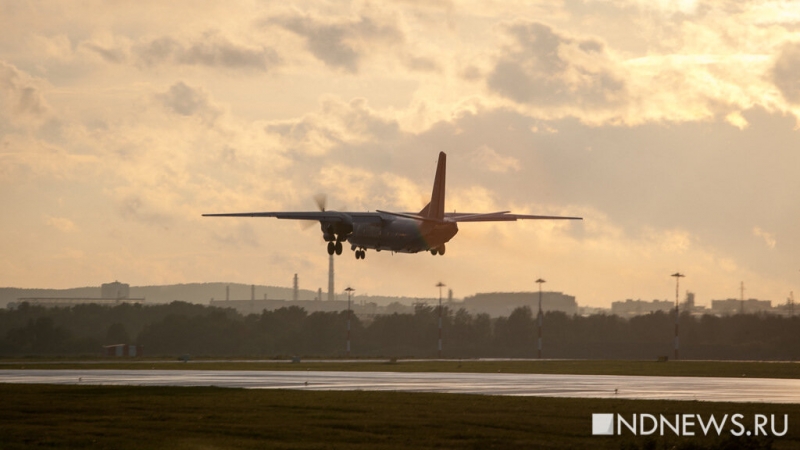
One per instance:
(349, 291)
(440, 285)
(678, 277)
(539, 316)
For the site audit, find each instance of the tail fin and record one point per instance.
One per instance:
(435, 209)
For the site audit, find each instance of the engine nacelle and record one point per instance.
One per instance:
(337, 230)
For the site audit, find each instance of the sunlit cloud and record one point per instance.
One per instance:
(340, 43)
(62, 224)
(769, 238)
(187, 101)
(211, 49)
(784, 73)
(336, 123)
(21, 99)
(545, 68)
(487, 157)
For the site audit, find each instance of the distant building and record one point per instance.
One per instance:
(733, 306)
(688, 305)
(631, 308)
(115, 290)
(110, 294)
(691, 307)
(500, 304)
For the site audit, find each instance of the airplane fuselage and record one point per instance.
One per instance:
(401, 235)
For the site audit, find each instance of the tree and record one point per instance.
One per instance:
(116, 334)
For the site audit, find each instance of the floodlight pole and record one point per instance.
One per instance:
(678, 277)
(440, 285)
(349, 291)
(539, 316)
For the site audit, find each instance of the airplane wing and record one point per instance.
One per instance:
(340, 216)
(502, 216)
(410, 216)
(323, 216)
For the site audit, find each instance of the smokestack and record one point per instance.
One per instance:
(227, 293)
(296, 288)
(330, 278)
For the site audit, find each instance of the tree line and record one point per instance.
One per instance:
(181, 328)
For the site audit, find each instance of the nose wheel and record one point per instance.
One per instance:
(438, 250)
(361, 254)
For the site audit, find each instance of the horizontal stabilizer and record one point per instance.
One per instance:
(409, 216)
(500, 217)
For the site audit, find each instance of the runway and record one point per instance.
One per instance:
(760, 390)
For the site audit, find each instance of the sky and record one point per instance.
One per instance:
(671, 127)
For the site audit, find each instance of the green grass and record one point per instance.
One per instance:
(578, 367)
(124, 417)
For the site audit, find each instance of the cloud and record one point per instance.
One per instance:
(62, 224)
(769, 238)
(543, 67)
(421, 64)
(187, 101)
(21, 99)
(138, 208)
(241, 235)
(786, 72)
(486, 157)
(335, 124)
(342, 44)
(212, 49)
(111, 55)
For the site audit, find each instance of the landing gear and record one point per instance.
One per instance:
(335, 247)
(361, 254)
(438, 250)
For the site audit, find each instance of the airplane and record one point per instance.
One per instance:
(400, 232)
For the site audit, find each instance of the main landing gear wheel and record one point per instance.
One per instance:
(438, 250)
(335, 247)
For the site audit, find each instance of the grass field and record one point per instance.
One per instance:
(56, 416)
(577, 367)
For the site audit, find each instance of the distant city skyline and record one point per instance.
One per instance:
(495, 302)
(671, 127)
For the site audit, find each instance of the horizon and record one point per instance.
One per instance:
(246, 288)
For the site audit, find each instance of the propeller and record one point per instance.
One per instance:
(321, 200)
